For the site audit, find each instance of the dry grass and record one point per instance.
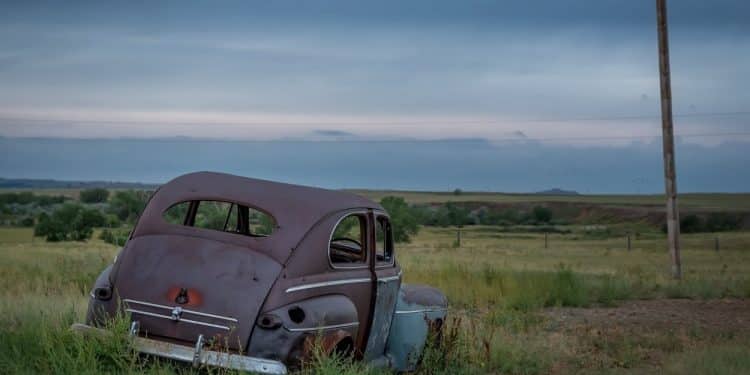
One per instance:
(498, 285)
(716, 201)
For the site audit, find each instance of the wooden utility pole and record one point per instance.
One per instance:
(628, 241)
(673, 217)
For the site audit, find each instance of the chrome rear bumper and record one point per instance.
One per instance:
(197, 356)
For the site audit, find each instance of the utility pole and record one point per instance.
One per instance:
(673, 216)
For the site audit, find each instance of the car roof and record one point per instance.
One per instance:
(295, 208)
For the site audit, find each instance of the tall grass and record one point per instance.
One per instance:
(728, 359)
(496, 285)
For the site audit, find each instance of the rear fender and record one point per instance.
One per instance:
(101, 309)
(289, 333)
(419, 310)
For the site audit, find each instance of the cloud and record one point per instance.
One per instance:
(370, 69)
(518, 134)
(330, 133)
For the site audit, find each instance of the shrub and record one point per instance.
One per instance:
(127, 205)
(69, 222)
(117, 237)
(691, 224)
(722, 221)
(542, 214)
(29, 198)
(27, 222)
(98, 195)
(715, 222)
(403, 221)
(451, 214)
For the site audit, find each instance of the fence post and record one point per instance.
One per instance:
(716, 244)
(458, 237)
(628, 241)
(545, 240)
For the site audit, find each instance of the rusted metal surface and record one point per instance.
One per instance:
(295, 208)
(385, 304)
(227, 282)
(420, 309)
(262, 297)
(197, 356)
(422, 296)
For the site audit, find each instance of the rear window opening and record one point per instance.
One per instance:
(221, 216)
(348, 245)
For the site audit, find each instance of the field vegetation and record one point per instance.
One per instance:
(550, 295)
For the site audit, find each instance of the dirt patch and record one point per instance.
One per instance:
(727, 315)
(641, 336)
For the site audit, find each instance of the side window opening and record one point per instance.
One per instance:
(383, 241)
(221, 216)
(177, 213)
(348, 244)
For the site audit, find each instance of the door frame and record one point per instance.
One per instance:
(386, 282)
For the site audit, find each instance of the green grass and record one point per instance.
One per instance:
(731, 359)
(497, 284)
(707, 201)
(10, 236)
(512, 269)
(699, 201)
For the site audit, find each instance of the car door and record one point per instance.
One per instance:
(388, 281)
(351, 271)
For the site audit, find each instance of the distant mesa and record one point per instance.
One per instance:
(557, 191)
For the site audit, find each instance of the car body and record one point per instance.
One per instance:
(291, 268)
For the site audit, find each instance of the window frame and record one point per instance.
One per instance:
(193, 204)
(389, 237)
(365, 263)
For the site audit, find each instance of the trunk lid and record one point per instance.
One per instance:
(180, 287)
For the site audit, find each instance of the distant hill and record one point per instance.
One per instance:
(557, 191)
(27, 183)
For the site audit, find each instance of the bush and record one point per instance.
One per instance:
(27, 222)
(127, 205)
(451, 214)
(715, 222)
(29, 198)
(722, 221)
(116, 237)
(403, 221)
(71, 222)
(542, 214)
(691, 224)
(98, 195)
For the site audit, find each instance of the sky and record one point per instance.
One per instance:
(577, 75)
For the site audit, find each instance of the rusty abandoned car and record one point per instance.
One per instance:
(248, 274)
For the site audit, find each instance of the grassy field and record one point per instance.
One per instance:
(703, 201)
(516, 306)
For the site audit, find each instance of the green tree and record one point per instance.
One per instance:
(403, 221)
(452, 214)
(70, 222)
(542, 214)
(97, 195)
(128, 204)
